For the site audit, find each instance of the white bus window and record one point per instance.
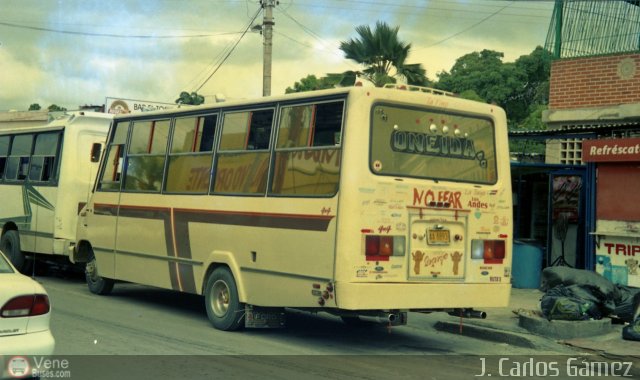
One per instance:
(145, 162)
(295, 125)
(191, 155)
(112, 172)
(245, 169)
(307, 159)
(121, 130)
(144, 173)
(4, 153)
(328, 124)
(260, 130)
(18, 162)
(43, 160)
(149, 137)
(246, 130)
(193, 134)
(422, 143)
(234, 131)
(242, 173)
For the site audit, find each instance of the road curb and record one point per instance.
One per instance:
(485, 333)
(565, 329)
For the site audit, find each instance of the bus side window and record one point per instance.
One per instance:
(43, 161)
(5, 141)
(18, 161)
(260, 130)
(243, 157)
(96, 150)
(112, 165)
(308, 153)
(328, 124)
(112, 173)
(146, 155)
(191, 155)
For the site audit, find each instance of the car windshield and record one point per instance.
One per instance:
(4, 265)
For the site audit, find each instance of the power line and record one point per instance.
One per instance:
(412, 9)
(323, 43)
(12, 25)
(231, 50)
(466, 29)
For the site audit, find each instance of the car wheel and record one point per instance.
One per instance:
(96, 283)
(221, 300)
(10, 245)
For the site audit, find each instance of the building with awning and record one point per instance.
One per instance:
(592, 168)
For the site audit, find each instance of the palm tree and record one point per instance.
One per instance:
(380, 51)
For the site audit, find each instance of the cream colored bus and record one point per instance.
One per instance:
(46, 176)
(361, 202)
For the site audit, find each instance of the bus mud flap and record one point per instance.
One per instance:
(264, 317)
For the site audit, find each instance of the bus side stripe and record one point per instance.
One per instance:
(176, 230)
(156, 214)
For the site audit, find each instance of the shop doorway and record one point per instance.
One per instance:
(566, 219)
(549, 211)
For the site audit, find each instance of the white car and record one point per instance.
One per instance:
(24, 314)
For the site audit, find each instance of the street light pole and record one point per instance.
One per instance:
(267, 32)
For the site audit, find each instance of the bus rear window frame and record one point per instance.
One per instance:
(439, 111)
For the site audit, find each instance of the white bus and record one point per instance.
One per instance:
(361, 202)
(46, 176)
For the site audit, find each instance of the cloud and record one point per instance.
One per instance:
(89, 62)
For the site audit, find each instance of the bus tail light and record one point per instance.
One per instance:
(26, 306)
(378, 247)
(491, 251)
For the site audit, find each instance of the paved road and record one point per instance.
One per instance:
(142, 332)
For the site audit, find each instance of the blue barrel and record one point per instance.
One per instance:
(526, 266)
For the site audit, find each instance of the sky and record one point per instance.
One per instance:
(77, 52)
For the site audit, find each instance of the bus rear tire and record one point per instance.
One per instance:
(97, 285)
(10, 246)
(224, 309)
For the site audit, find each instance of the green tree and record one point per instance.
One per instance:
(383, 55)
(55, 107)
(190, 98)
(534, 92)
(34, 107)
(519, 87)
(311, 83)
(483, 72)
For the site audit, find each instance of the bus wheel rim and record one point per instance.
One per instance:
(220, 299)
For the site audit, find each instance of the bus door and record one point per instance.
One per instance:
(436, 244)
(144, 233)
(103, 208)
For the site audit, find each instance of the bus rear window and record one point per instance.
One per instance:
(422, 143)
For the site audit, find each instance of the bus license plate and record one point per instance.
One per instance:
(438, 237)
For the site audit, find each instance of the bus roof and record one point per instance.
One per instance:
(59, 122)
(403, 92)
(240, 102)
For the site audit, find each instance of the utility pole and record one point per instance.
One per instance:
(267, 33)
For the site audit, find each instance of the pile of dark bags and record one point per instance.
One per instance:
(575, 295)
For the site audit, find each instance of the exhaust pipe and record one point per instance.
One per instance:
(468, 313)
(392, 319)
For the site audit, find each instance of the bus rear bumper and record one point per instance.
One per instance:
(420, 296)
